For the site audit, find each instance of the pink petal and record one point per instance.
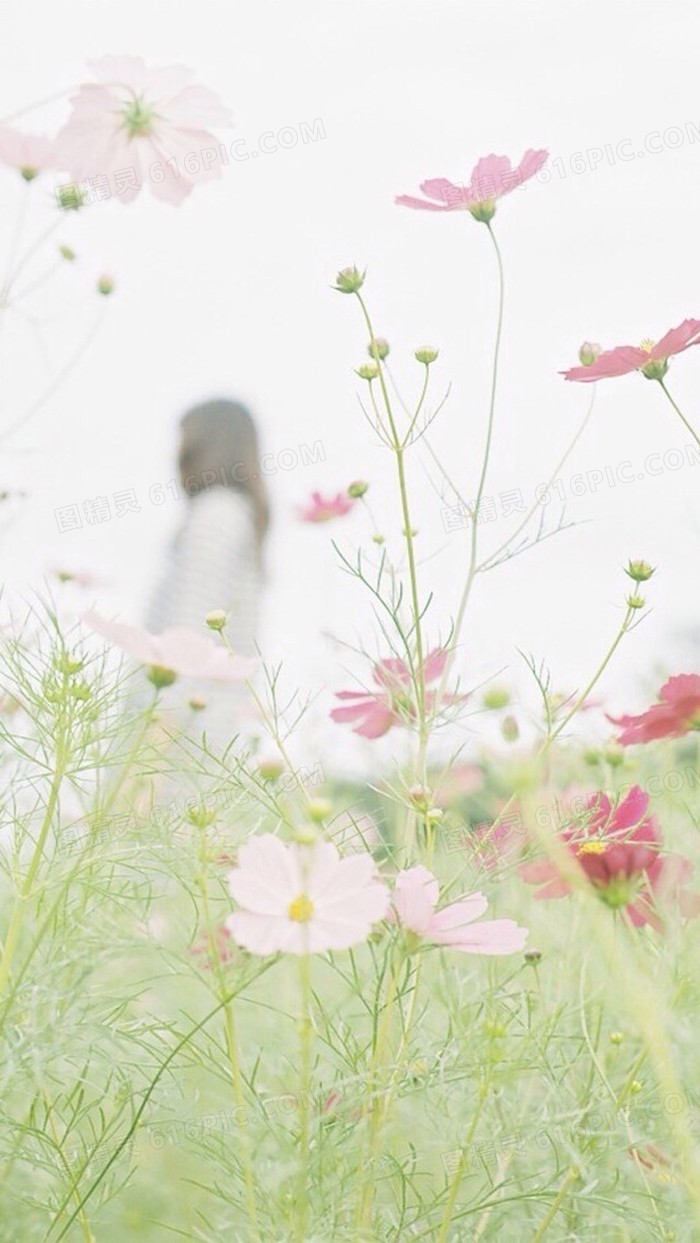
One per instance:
(490, 936)
(263, 935)
(678, 339)
(487, 177)
(682, 686)
(137, 643)
(620, 361)
(531, 163)
(434, 665)
(407, 200)
(267, 879)
(451, 919)
(416, 893)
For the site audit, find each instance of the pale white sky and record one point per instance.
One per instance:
(231, 295)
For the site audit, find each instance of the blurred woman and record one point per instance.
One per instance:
(215, 560)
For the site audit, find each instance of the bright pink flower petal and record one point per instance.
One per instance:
(684, 686)
(434, 665)
(678, 339)
(620, 361)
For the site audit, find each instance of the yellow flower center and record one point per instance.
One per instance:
(301, 909)
(592, 848)
(647, 344)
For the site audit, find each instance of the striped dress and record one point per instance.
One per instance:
(213, 563)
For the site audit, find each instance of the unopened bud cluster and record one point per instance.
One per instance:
(349, 280)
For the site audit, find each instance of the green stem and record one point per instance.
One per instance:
(305, 1104)
(25, 891)
(473, 554)
(364, 1209)
(680, 414)
(398, 447)
(230, 1035)
(571, 1177)
(459, 1172)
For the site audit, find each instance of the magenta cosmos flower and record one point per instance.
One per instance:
(677, 714)
(142, 126)
(649, 358)
(323, 508)
(176, 652)
(491, 179)
(416, 895)
(30, 154)
(373, 713)
(619, 850)
(303, 899)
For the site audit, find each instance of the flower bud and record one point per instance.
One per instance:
(532, 956)
(615, 756)
(378, 539)
(588, 353)
(636, 1087)
(161, 677)
(378, 349)
(306, 835)
(69, 197)
(270, 769)
(635, 602)
(495, 697)
(639, 571)
(368, 371)
(425, 354)
(616, 1037)
(357, 489)
(420, 796)
(319, 809)
(434, 815)
(200, 817)
(197, 704)
(105, 286)
(349, 280)
(510, 728)
(66, 253)
(216, 620)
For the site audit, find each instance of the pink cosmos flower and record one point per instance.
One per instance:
(30, 154)
(303, 899)
(373, 713)
(619, 850)
(177, 651)
(677, 714)
(142, 126)
(415, 897)
(649, 358)
(323, 508)
(491, 179)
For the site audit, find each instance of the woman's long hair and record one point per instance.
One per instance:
(219, 448)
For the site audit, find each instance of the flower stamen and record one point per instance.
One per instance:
(301, 909)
